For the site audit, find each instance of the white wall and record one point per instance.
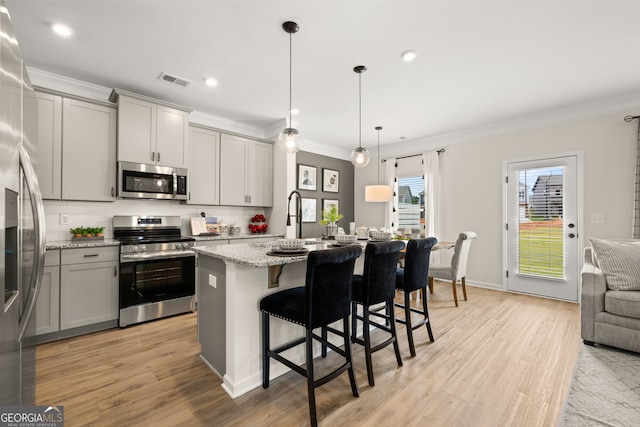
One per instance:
(473, 180)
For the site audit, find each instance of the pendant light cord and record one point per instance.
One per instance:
(290, 77)
(360, 109)
(378, 129)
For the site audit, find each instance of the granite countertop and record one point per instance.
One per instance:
(242, 236)
(68, 244)
(255, 254)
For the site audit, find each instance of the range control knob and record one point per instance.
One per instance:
(136, 249)
(143, 248)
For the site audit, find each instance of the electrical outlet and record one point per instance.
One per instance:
(64, 219)
(212, 281)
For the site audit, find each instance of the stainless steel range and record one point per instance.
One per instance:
(157, 268)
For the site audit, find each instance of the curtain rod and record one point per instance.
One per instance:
(629, 118)
(440, 151)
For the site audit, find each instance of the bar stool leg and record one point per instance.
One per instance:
(407, 315)
(347, 351)
(324, 339)
(265, 350)
(426, 316)
(310, 380)
(367, 344)
(392, 322)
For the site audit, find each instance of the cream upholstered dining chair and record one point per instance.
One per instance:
(457, 271)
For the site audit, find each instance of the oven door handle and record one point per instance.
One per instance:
(156, 256)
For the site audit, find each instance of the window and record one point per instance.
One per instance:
(411, 205)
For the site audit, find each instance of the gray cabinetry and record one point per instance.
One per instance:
(47, 161)
(88, 286)
(89, 151)
(246, 172)
(47, 315)
(81, 136)
(204, 164)
(151, 132)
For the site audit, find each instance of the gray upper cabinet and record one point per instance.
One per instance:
(246, 172)
(81, 136)
(47, 161)
(151, 132)
(89, 151)
(204, 166)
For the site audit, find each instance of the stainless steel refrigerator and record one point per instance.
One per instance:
(22, 233)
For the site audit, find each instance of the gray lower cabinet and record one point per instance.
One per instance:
(47, 316)
(88, 286)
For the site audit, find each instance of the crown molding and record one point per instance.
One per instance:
(68, 85)
(222, 123)
(586, 110)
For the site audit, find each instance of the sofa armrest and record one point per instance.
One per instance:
(594, 287)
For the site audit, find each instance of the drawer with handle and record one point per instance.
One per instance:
(83, 255)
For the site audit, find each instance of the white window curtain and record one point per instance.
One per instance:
(391, 214)
(431, 172)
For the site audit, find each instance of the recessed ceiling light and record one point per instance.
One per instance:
(294, 111)
(62, 30)
(409, 55)
(210, 81)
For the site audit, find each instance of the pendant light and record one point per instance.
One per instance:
(379, 192)
(360, 156)
(289, 139)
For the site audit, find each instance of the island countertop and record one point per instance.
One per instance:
(255, 254)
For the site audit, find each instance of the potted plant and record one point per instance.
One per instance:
(329, 218)
(77, 232)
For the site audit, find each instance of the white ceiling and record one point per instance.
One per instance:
(479, 62)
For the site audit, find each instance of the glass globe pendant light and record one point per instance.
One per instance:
(289, 139)
(360, 156)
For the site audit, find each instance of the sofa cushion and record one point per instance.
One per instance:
(623, 303)
(619, 261)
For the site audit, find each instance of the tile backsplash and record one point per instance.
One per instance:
(96, 214)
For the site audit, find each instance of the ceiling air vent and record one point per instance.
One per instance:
(174, 79)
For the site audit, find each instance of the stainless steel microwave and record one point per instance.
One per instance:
(140, 181)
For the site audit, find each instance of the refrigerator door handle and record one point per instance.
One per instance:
(39, 240)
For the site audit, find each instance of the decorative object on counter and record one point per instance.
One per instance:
(378, 192)
(289, 139)
(308, 210)
(345, 239)
(290, 244)
(258, 224)
(330, 180)
(379, 235)
(205, 226)
(330, 216)
(360, 156)
(362, 233)
(235, 230)
(224, 228)
(87, 233)
(307, 177)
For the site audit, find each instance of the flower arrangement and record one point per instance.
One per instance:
(331, 215)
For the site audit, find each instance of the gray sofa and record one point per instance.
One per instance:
(608, 317)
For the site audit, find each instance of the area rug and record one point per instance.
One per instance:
(605, 389)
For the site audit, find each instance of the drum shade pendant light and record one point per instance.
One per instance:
(360, 156)
(379, 192)
(289, 139)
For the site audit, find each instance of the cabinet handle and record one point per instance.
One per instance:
(158, 156)
(153, 156)
(249, 199)
(115, 271)
(112, 191)
(91, 255)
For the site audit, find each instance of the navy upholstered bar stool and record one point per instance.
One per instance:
(413, 277)
(376, 285)
(324, 299)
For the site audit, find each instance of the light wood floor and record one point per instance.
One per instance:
(499, 359)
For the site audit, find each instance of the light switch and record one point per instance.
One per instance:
(212, 281)
(597, 218)
(64, 219)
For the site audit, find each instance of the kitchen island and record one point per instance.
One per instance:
(231, 280)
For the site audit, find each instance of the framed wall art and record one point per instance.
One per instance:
(327, 203)
(330, 180)
(308, 209)
(307, 177)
